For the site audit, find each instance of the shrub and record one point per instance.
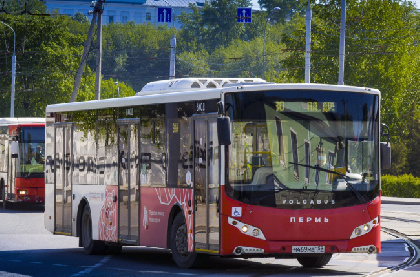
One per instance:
(406, 186)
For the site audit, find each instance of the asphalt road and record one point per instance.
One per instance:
(27, 249)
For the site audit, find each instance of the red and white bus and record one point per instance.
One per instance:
(22, 148)
(228, 167)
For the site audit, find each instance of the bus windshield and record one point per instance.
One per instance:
(303, 149)
(32, 151)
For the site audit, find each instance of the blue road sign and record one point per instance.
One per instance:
(164, 14)
(244, 15)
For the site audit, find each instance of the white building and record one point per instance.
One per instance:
(122, 11)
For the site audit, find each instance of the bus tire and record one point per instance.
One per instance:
(91, 246)
(315, 260)
(179, 243)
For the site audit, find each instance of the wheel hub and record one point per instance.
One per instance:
(181, 240)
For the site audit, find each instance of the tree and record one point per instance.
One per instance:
(134, 53)
(79, 17)
(48, 55)
(16, 7)
(213, 25)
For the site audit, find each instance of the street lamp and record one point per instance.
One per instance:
(12, 97)
(276, 9)
(118, 88)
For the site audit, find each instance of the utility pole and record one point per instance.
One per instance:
(99, 53)
(276, 9)
(84, 58)
(308, 44)
(342, 44)
(97, 11)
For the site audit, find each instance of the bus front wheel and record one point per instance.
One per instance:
(179, 243)
(315, 261)
(91, 246)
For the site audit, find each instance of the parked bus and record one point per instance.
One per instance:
(22, 148)
(228, 167)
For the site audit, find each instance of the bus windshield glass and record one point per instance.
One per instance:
(31, 151)
(303, 149)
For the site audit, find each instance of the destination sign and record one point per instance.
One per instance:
(321, 107)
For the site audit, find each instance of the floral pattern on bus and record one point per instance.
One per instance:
(108, 228)
(170, 196)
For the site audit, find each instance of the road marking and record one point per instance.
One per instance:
(89, 269)
(407, 263)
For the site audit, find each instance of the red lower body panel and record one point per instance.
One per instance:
(30, 190)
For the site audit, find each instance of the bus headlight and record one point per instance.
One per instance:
(365, 228)
(23, 192)
(246, 229)
(256, 232)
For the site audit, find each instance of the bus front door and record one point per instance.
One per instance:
(63, 172)
(206, 180)
(128, 181)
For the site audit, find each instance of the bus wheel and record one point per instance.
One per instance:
(91, 246)
(315, 261)
(179, 243)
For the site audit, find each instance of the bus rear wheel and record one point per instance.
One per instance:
(91, 246)
(179, 243)
(315, 260)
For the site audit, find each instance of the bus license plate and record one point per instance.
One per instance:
(308, 249)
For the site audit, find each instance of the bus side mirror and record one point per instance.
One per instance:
(385, 148)
(15, 148)
(385, 155)
(223, 130)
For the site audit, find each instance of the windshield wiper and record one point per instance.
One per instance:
(317, 167)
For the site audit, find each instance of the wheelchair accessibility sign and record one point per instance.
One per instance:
(236, 211)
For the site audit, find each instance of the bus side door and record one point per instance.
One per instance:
(63, 153)
(206, 184)
(129, 180)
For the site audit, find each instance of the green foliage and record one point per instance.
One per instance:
(212, 26)
(46, 54)
(406, 186)
(18, 6)
(79, 17)
(134, 53)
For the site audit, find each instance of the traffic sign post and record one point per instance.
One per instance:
(244, 15)
(165, 15)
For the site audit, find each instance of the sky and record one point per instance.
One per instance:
(256, 6)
